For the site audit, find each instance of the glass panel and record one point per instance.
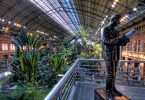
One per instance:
(53, 9)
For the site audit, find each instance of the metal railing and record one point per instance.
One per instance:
(94, 71)
(131, 72)
(62, 88)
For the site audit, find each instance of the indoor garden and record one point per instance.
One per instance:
(37, 66)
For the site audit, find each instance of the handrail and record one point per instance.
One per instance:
(84, 59)
(53, 94)
(139, 61)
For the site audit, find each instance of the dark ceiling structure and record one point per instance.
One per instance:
(63, 17)
(30, 16)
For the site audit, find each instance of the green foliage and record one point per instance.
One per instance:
(83, 33)
(59, 62)
(3, 65)
(27, 42)
(46, 74)
(93, 51)
(31, 64)
(25, 61)
(89, 48)
(25, 94)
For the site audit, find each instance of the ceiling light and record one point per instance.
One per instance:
(106, 16)
(102, 23)
(24, 27)
(6, 29)
(15, 24)
(19, 25)
(9, 22)
(126, 16)
(2, 20)
(122, 20)
(113, 5)
(134, 9)
(42, 32)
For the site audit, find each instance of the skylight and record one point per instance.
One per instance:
(71, 11)
(53, 9)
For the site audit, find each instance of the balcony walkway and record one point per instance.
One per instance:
(85, 91)
(85, 75)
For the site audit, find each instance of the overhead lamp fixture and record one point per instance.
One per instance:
(9, 22)
(135, 9)
(2, 20)
(123, 19)
(15, 24)
(19, 25)
(102, 23)
(6, 29)
(42, 32)
(29, 33)
(24, 27)
(106, 16)
(113, 5)
(126, 16)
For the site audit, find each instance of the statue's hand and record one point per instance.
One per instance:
(125, 41)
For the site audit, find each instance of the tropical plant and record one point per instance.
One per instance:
(46, 74)
(25, 61)
(59, 62)
(88, 47)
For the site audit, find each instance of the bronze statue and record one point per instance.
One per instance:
(111, 41)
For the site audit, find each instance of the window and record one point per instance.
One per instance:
(12, 47)
(4, 46)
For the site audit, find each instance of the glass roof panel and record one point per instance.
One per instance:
(53, 9)
(70, 9)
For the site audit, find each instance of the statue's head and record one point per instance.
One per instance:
(115, 19)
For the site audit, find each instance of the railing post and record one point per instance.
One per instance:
(75, 72)
(144, 74)
(60, 95)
